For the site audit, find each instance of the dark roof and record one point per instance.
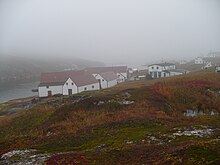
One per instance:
(109, 76)
(115, 69)
(163, 64)
(80, 78)
(166, 71)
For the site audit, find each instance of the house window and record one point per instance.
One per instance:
(93, 86)
(152, 67)
(85, 89)
(72, 83)
(157, 67)
(66, 83)
(47, 86)
(102, 79)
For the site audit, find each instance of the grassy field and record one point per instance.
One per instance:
(101, 129)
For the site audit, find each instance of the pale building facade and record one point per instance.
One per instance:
(120, 71)
(160, 70)
(107, 79)
(72, 82)
(199, 60)
(66, 83)
(164, 70)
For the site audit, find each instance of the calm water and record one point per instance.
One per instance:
(17, 91)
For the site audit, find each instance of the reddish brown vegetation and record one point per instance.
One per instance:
(68, 158)
(162, 103)
(192, 94)
(80, 119)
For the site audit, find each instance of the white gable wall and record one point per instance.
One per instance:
(95, 74)
(43, 91)
(155, 71)
(122, 77)
(106, 84)
(69, 84)
(155, 68)
(102, 81)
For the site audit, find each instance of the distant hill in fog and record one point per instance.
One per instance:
(21, 69)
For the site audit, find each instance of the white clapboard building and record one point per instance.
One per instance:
(72, 82)
(106, 79)
(160, 70)
(164, 70)
(66, 83)
(199, 60)
(120, 71)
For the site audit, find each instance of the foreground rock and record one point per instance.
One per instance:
(20, 157)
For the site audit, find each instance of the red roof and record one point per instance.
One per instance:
(109, 76)
(80, 78)
(84, 79)
(115, 69)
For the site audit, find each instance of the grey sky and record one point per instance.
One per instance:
(113, 31)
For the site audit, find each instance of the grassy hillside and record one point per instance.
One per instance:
(138, 122)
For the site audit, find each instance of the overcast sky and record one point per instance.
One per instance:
(113, 31)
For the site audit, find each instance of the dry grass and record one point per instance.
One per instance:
(4, 120)
(160, 101)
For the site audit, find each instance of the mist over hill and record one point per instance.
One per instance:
(15, 69)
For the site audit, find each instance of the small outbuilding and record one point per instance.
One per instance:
(120, 71)
(106, 79)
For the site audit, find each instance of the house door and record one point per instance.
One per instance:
(49, 93)
(70, 91)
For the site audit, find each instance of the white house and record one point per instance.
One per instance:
(164, 70)
(183, 62)
(106, 80)
(160, 70)
(120, 71)
(199, 60)
(217, 69)
(66, 83)
(207, 65)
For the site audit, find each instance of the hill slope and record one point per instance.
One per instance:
(139, 122)
(16, 69)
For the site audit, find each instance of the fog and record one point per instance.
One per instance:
(110, 31)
